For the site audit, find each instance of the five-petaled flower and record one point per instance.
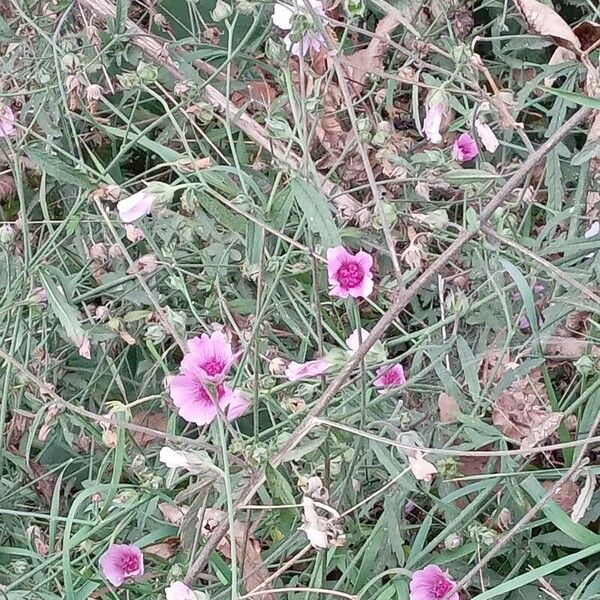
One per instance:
(209, 356)
(431, 583)
(464, 148)
(389, 377)
(349, 274)
(120, 562)
(284, 17)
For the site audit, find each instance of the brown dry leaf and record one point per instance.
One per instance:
(448, 408)
(15, 430)
(542, 429)
(545, 21)
(329, 131)
(262, 92)
(39, 540)
(188, 165)
(364, 62)
(172, 513)
(565, 496)
(165, 549)
(151, 420)
(8, 187)
(569, 348)
(321, 532)
(588, 34)
(255, 571)
(46, 484)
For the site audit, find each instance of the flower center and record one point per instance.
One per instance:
(213, 366)
(390, 377)
(129, 563)
(349, 275)
(440, 588)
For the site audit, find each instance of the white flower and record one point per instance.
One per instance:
(174, 459)
(487, 136)
(283, 17)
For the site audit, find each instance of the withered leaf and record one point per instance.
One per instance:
(247, 548)
(569, 348)
(173, 513)
(541, 430)
(165, 549)
(448, 408)
(544, 20)
(151, 420)
(588, 34)
(565, 496)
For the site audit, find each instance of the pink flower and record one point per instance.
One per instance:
(431, 583)
(354, 340)
(120, 562)
(465, 148)
(432, 123)
(7, 120)
(197, 405)
(349, 274)
(283, 17)
(209, 357)
(487, 136)
(312, 368)
(389, 377)
(136, 206)
(179, 591)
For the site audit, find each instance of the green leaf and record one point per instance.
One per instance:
(459, 176)
(574, 97)
(54, 167)
(66, 314)
(318, 213)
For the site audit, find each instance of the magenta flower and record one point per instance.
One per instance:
(7, 120)
(349, 274)
(136, 206)
(179, 591)
(432, 123)
(209, 357)
(120, 562)
(389, 377)
(431, 583)
(307, 370)
(465, 148)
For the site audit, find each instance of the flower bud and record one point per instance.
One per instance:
(221, 11)
(354, 8)
(146, 72)
(7, 233)
(453, 541)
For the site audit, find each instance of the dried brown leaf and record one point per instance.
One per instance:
(448, 408)
(565, 496)
(8, 187)
(172, 513)
(588, 34)
(541, 430)
(248, 549)
(165, 549)
(364, 62)
(569, 348)
(544, 20)
(151, 420)
(46, 483)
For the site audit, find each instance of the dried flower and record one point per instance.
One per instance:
(431, 583)
(7, 120)
(486, 136)
(464, 148)
(134, 234)
(355, 339)
(307, 370)
(349, 274)
(120, 562)
(422, 469)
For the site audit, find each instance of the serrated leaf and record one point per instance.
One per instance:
(56, 168)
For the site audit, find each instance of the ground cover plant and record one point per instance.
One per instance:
(299, 299)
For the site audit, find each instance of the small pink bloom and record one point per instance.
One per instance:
(307, 370)
(465, 148)
(120, 562)
(349, 274)
(209, 357)
(136, 206)
(7, 122)
(431, 583)
(487, 136)
(354, 340)
(389, 377)
(283, 17)
(432, 123)
(179, 591)
(85, 348)
(197, 405)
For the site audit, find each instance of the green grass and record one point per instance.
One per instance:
(243, 243)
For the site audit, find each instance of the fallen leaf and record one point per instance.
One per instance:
(422, 469)
(585, 497)
(262, 92)
(448, 408)
(569, 348)
(565, 496)
(45, 484)
(329, 130)
(248, 549)
(544, 20)
(8, 187)
(364, 62)
(151, 420)
(588, 34)
(166, 549)
(172, 513)
(541, 430)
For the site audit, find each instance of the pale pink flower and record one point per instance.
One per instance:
(307, 370)
(465, 148)
(349, 274)
(422, 469)
(179, 591)
(85, 348)
(431, 583)
(432, 123)
(7, 122)
(136, 206)
(283, 16)
(487, 136)
(354, 340)
(210, 357)
(120, 562)
(389, 377)
(134, 234)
